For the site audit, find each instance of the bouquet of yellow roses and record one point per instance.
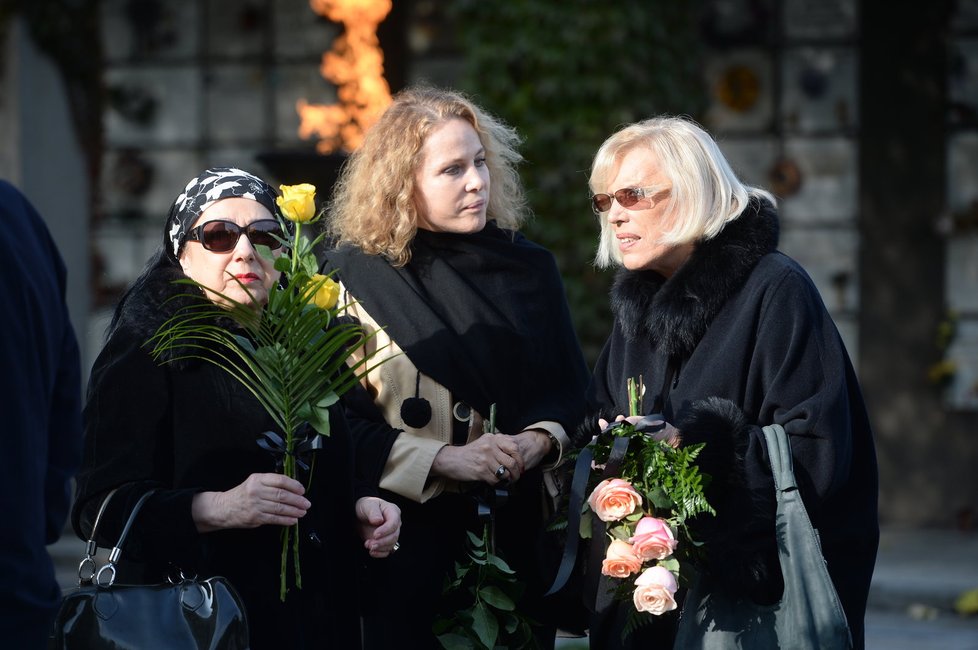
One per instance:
(642, 490)
(291, 354)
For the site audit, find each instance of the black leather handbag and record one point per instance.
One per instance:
(809, 615)
(185, 613)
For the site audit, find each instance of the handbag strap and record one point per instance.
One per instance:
(87, 568)
(779, 453)
(116, 552)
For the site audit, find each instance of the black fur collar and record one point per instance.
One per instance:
(154, 300)
(675, 313)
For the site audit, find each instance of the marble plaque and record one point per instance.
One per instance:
(236, 29)
(301, 32)
(150, 29)
(236, 105)
(962, 393)
(294, 82)
(962, 84)
(740, 83)
(170, 170)
(830, 256)
(962, 273)
(827, 189)
(819, 90)
(174, 93)
(819, 19)
(750, 158)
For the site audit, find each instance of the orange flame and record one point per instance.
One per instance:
(355, 64)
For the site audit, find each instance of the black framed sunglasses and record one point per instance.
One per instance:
(220, 236)
(626, 197)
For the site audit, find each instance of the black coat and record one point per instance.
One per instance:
(189, 427)
(750, 344)
(485, 315)
(41, 389)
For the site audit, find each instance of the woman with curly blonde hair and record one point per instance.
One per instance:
(471, 319)
(374, 204)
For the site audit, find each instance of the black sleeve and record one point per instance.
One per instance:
(128, 442)
(372, 437)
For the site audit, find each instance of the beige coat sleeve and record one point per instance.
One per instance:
(390, 381)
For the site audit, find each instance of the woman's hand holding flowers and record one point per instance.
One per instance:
(379, 524)
(668, 433)
(261, 499)
(480, 459)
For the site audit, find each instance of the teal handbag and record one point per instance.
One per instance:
(809, 615)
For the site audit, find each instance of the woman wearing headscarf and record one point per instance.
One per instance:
(471, 317)
(729, 335)
(189, 430)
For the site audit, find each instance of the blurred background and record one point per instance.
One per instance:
(862, 117)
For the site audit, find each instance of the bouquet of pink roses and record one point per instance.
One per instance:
(643, 489)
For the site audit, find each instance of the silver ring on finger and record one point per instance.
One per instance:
(500, 471)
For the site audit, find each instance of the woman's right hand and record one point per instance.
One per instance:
(261, 499)
(669, 433)
(480, 459)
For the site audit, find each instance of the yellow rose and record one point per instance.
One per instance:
(327, 294)
(298, 202)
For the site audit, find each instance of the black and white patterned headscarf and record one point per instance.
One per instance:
(211, 186)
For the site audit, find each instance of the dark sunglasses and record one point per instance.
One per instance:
(626, 197)
(222, 236)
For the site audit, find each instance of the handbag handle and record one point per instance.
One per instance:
(779, 453)
(91, 546)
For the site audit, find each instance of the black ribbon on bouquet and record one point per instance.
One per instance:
(649, 424)
(301, 452)
(487, 500)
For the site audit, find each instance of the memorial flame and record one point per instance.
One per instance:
(355, 64)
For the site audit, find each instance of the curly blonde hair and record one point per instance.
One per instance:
(374, 204)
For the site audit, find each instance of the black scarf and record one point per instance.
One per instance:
(484, 315)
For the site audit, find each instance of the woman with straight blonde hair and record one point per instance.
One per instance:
(472, 320)
(729, 335)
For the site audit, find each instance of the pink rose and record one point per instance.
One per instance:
(654, 591)
(653, 540)
(613, 499)
(620, 561)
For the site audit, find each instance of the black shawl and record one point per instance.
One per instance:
(483, 314)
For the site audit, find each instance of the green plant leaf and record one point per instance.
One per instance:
(485, 626)
(500, 564)
(454, 641)
(309, 265)
(318, 419)
(497, 598)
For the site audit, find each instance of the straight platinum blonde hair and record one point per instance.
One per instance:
(374, 205)
(706, 194)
